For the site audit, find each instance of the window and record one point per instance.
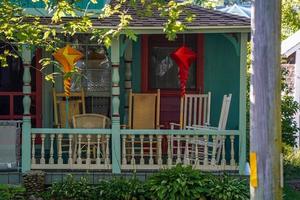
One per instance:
(95, 78)
(162, 71)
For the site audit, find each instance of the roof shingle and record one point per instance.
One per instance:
(203, 18)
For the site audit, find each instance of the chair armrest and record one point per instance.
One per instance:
(124, 126)
(198, 127)
(172, 124)
(56, 125)
(160, 126)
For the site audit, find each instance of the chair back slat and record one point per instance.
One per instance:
(224, 112)
(76, 104)
(196, 110)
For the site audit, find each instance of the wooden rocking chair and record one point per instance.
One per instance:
(143, 113)
(76, 106)
(76, 103)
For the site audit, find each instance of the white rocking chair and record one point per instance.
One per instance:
(194, 109)
(215, 147)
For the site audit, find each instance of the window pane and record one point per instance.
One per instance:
(163, 71)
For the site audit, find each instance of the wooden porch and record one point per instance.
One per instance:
(117, 150)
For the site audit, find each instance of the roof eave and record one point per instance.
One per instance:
(191, 29)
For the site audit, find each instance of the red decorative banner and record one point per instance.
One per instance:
(184, 57)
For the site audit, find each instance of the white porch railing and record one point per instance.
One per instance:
(82, 149)
(92, 149)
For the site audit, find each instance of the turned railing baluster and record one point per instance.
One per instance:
(186, 150)
(159, 151)
(107, 159)
(60, 160)
(42, 160)
(178, 159)
(232, 160)
(51, 159)
(124, 159)
(98, 160)
(223, 162)
(142, 160)
(170, 158)
(213, 159)
(151, 162)
(205, 162)
(70, 160)
(79, 161)
(88, 154)
(132, 161)
(33, 161)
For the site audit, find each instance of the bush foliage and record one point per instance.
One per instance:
(11, 192)
(177, 183)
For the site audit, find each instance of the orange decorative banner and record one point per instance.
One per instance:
(253, 170)
(67, 57)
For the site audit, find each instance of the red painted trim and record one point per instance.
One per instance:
(38, 86)
(160, 41)
(16, 94)
(8, 117)
(144, 55)
(11, 106)
(200, 63)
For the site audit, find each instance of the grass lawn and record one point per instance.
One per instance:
(290, 194)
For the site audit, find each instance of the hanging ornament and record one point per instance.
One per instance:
(67, 57)
(183, 56)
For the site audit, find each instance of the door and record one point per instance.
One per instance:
(160, 71)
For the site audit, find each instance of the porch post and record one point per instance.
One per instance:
(116, 153)
(242, 106)
(26, 127)
(128, 74)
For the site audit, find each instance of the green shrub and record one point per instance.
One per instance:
(177, 183)
(120, 189)
(291, 161)
(10, 192)
(228, 188)
(70, 189)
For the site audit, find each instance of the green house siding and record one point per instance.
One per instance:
(136, 65)
(40, 4)
(222, 75)
(122, 80)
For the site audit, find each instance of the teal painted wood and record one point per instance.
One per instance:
(116, 143)
(122, 78)
(26, 132)
(40, 4)
(222, 76)
(26, 144)
(243, 96)
(234, 42)
(136, 65)
(49, 131)
(70, 131)
(179, 132)
(47, 103)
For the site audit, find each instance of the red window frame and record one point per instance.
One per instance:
(146, 45)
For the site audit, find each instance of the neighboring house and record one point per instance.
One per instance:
(290, 48)
(241, 10)
(219, 40)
